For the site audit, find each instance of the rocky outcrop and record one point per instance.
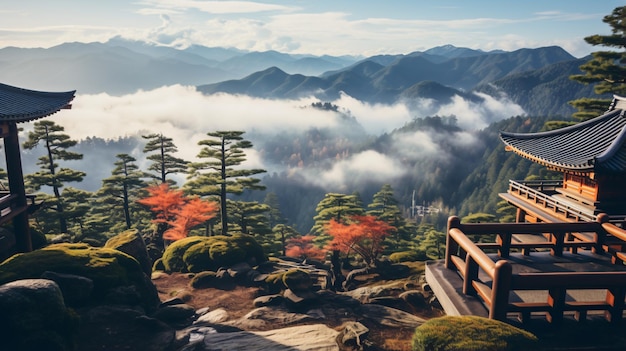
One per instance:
(34, 316)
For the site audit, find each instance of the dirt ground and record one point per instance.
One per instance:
(238, 301)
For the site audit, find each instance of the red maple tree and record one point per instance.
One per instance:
(362, 234)
(175, 210)
(303, 247)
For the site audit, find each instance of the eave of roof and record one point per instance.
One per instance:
(594, 145)
(22, 105)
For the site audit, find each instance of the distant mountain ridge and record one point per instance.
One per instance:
(536, 79)
(431, 75)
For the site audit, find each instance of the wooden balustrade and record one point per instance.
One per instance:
(469, 260)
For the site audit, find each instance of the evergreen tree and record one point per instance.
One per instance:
(385, 207)
(164, 162)
(78, 204)
(283, 233)
(51, 174)
(123, 186)
(607, 69)
(220, 175)
(274, 216)
(334, 206)
(249, 217)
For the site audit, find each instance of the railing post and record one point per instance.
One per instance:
(558, 239)
(504, 241)
(615, 299)
(470, 274)
(451, 246)
(500, 288)
(556, 300)
(598, 248)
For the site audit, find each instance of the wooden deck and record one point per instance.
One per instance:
(532, 270)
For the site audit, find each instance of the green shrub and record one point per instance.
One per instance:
(408, 256)
(203, 280)
(204, 253)
(470, 333)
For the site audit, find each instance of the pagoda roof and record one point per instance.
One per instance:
(22, 105)
(596, 145)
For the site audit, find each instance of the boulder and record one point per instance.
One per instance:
(122, 328)
(390, 317)
(353, 335)
(76, 289)
(264, 317)
(34, 316)
(132, 244)
(269, 300)
(208, 253)
(315, 337)
(108, 269)
(174, 314)
(219, 315)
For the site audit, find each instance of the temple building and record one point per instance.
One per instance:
(19, 105)
(565, 255)
(592, 158)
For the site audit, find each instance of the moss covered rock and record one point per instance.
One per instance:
(471, 333)
(208, 253)
(297, 280)
(108, 269)
(131, 243)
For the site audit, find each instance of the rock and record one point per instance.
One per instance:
(132, 244)
(426, 287)
(364, 294)
(172, 301)
(76, 289)
(108, 269)
(390, 317)
(238, 270)
(219, 315)
(34, 316)
(174, 314)
(299, 297)
(414, 298)
(122, 328)
(353, 334)
(297, 280)
(316, 337)
(269, 300)
(264, 317)
(123, 295)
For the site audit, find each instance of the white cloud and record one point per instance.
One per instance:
(365, 166)
(215, 7)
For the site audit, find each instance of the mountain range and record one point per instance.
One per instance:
(535, 79)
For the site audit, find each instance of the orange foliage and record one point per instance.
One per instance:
(179, 212)
(364, 235)
(303, 247)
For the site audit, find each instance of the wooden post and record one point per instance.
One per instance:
(470, 274)
(16, 185)
(598, 248)
(451, 246)
(556, 300)
(500, 289)
(504, 241)
(558, 239)
(615, 299)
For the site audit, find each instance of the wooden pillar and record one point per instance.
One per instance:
(500, 288)
(452, 247)
(16, 186)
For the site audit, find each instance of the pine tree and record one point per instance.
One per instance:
(123, 186)
(164, 162)
(52, 175)
(607, 69)
(249, 217)
(385, 207)
(220, 175)
(334, 206)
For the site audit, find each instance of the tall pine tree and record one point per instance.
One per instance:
(56, 145)
(161, 151)
(606, 69)
(221, 174)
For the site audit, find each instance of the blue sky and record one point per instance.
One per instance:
(339, 27)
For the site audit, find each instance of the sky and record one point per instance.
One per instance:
(318, 27)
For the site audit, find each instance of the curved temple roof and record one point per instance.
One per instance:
(591, 146)
(22, 105)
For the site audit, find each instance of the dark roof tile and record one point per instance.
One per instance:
(21, 105)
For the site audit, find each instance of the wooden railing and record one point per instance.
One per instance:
(535, 192)
(469, 260)
(9, 207)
